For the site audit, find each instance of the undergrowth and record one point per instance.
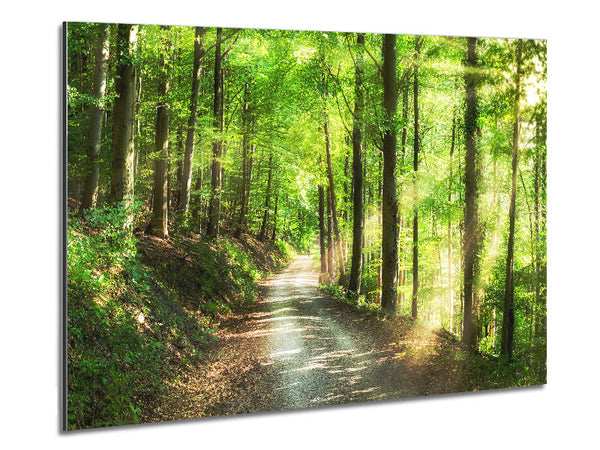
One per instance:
(479, 370)
(131, 318)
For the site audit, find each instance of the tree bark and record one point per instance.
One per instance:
(241, 225)
(357, 175)
(415, 291)
(214, 209)
(265, 221)
(333, 206)
(508, 316)
(90, 189)
(471, 188)
(322, 242)
(274, 233)
(123, 148)
(449, 227)
(186, 178)
(389, 242)
(330, 268)
(160, 212)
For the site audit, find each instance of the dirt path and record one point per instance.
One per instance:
(296, 348)
(319, 352)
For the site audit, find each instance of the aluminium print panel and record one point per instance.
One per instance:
(262, 220)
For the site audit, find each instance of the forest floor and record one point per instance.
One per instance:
(297, 347)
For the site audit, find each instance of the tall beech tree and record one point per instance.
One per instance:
(123, 149)
(449, 228)
(214, 209)
(470, 250)
(322, 232)
(247, 153)
(508, 318)
(389, 239)
(90, 190)
(415, 292)
(357, 172)
(160, 211)
(263, 227)
(332, 204)
(186, 177)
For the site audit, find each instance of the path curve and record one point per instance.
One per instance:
(296, 348)
(320, 355)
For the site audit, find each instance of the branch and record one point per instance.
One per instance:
(235, 33)
(342, 117)
(335, 78)
(380, 70)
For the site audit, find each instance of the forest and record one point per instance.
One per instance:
(409, 172)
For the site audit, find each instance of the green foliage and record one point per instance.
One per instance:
(286, 251)
(361, 304)
(122, 327)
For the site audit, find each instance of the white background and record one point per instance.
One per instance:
(563, 413)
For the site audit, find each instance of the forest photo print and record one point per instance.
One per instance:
(261, 220)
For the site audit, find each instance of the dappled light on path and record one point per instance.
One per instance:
(321, 358)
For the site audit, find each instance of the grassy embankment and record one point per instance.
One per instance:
(140, 307)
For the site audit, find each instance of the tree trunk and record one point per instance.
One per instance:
(450, 291)
(90, 189)
(415, 292)
(330, 269)
(160, 212)
(274, 234)
(245, 164)
(175, 193)
(357, 175)
(332, 205)
(214, 209)
(389, 241)
(123, 148)
(265, 221)
(471, 218)
(508, 316)
(322, 244)
(186, 178)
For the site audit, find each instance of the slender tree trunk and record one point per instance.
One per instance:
(508, 317)
(322, 232)
(346, 176)
(364, 220)
(138, 124)
(123, 148)
(330, 267)
(249, 181)
(449, 230)
(357, 175)
(214, 209)
(265, 221)
(389, 242)
(90, 189)
(471, 214)
(333, 206)
(186, 179)
(245, 164)
(379, 221)
(160, 212)
(540, 193)
(402, 272)
(175, 199)
(415, 292)
(274, 234)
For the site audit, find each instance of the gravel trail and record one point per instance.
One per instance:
(297, 348)
(319, 352)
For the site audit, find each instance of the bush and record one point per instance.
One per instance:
(121, 326)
